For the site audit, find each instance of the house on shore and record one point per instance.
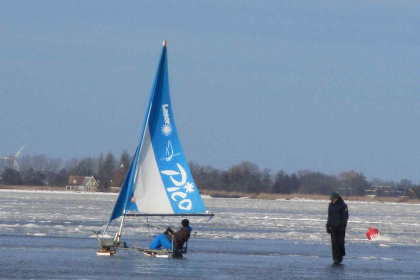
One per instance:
(82, 183)
(383, 190)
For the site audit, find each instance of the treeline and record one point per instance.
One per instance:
(245, 177)
(41, 171)
(248, 178)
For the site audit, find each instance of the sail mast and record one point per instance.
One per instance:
(146, 121)
(118, 234)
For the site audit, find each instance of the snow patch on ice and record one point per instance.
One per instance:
(368, 258)
(381, 237)
(30, 225)
(36, 234)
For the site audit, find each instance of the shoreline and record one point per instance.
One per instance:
(224, 194)
(303, 196)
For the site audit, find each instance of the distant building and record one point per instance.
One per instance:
(346, 191)
(383, 190)
(82, 183)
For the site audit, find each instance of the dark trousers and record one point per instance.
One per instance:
(337, 242)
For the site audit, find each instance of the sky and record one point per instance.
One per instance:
(327, 86)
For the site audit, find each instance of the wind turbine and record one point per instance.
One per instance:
(14, 158)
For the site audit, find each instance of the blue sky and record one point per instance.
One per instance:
(327, 86)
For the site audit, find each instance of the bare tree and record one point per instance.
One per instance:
(119, 174)
(353, 183)
(316, 183)
(210, 178)
(246, 176)
(282, 183)
(106, 170)
(85, 167)
(53, 165)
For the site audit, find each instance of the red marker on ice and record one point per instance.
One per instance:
(372, 233)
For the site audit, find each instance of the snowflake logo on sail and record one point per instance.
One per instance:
(167, 129)
(189, 187)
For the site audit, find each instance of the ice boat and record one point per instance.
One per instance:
(159, 181)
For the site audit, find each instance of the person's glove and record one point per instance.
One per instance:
(328, 229)
(169, 230)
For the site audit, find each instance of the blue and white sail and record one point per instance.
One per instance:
(159, 180)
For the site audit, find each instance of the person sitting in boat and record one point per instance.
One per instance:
(165, 239)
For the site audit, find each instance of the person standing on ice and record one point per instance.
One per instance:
(338, 215)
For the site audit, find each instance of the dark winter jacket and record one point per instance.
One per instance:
(338, 214)
(180, 237)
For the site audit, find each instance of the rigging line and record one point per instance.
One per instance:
(130, 253)
(148, 228)
(151, 224)
(211, 217)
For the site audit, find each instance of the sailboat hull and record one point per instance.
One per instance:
(104, 252)
(160, 253)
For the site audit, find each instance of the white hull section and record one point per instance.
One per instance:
(105, 253)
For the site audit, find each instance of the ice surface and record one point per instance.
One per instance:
(49, 235)
(69, 213)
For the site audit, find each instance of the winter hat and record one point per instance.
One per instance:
(334, 195)
(185, 222)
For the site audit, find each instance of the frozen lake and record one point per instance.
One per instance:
(48, 235)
